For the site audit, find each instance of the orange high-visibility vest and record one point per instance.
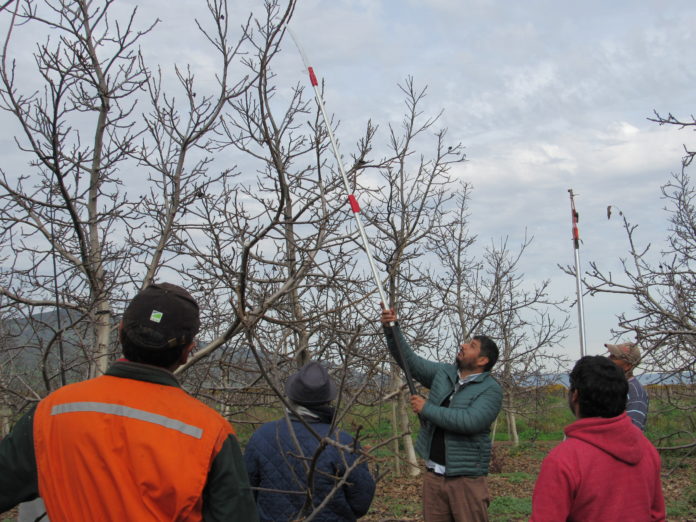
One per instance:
(121, 449)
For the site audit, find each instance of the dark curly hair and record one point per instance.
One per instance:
(488, 349)
(601, 385)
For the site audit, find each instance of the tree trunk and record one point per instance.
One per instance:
(395, 433)
(404, 407)
(102, 338)
(511, 422)
(401, 427)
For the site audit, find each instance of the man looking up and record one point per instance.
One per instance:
(131, 444)
(295, 471)
(454, 439)
(627, 356)
(605, 469)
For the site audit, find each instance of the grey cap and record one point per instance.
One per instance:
(311, 385)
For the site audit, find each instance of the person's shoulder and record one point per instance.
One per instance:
(491, 378)
(445, 370)
(265, 431)
(442, 368)
(489, 381)
(566, 450)
(77, 385)
(269, 426)
(650, 461)
(638, 386)
(72, 391)
(634, 381)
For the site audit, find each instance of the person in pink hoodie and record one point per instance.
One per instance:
(605, 469)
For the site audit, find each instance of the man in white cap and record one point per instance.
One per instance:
(627, 356)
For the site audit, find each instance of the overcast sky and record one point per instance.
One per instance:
(546, 95)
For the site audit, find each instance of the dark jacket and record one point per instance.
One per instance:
(274, 461)
(637, 403)
(466, 421)
(110, 417)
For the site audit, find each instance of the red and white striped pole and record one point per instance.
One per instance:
(578, 279)
(352, 200)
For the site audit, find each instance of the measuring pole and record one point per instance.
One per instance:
(578, 281)
(355, 208)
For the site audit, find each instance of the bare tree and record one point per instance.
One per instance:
(136, 173)
(79, 241)
(524, 327)
(663, 287)
(486, 294)
(681, 123)
(409, 199)
(265, 248)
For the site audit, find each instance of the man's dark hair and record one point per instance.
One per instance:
(601, 385)
(162, 358)
(488, 349)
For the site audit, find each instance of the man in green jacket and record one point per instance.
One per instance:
(454, 439)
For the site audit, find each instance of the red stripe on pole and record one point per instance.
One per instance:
(312, 77)
(576, 233)
(353, 204)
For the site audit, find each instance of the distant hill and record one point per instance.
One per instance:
(645, 379)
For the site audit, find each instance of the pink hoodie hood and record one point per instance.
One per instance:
(616, 436)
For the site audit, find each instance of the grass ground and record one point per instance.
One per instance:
(399, 499)
(511, 486)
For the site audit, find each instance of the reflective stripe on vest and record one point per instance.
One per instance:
(132, 413)
(115, 448)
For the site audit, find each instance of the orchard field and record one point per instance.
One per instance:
(514, 468)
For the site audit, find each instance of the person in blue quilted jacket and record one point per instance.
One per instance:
(298, 464)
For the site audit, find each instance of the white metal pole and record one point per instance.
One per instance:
(578, 278)
(354, 206)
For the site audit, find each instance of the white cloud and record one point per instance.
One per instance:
(545, 96)
(530, 81)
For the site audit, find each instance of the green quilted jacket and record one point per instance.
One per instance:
(466, 421)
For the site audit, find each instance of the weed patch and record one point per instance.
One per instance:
(510, 506)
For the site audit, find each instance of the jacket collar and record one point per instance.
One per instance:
(142, 372)
(453, 375)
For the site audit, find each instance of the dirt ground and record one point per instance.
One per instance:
(516, 471)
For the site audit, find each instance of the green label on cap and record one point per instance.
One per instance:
(156, 316)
